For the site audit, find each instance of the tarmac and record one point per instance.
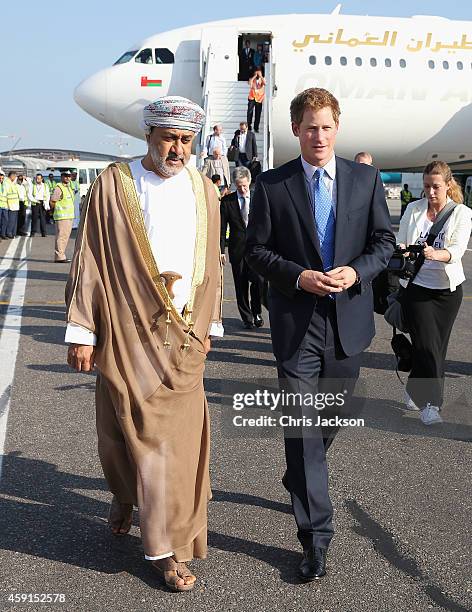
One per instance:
(401, 490)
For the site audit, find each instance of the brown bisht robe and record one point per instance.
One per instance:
(152, 415)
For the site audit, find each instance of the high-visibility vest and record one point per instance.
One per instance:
(13, 197)
(74, 186)
(51, 185)
(64, 208)
(257, 93)
(3, 194)
(405, 196)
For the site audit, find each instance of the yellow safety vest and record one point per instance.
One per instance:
(13, 197)
(3, 195)
(51, 185)
(64, 208)
(405, 196)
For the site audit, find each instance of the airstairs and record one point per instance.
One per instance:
(225, 103)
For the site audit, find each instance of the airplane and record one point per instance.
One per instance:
(404, 84)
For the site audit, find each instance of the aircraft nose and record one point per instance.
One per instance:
(91, 95)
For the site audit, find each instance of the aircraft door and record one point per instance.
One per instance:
(224, 51)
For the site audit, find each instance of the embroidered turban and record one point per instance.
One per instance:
(173, 112)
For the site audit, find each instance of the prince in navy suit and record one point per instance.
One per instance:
(319, 231)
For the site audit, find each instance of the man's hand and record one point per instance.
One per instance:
(81, 357)
(207, 345)
(319, 283)
(345, 275)
(223, 259)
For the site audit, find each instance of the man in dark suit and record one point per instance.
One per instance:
(235, 212)
(246, 61)
(245, 143)
(319, 232)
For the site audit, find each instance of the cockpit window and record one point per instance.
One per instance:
(126, 57)
(144, 57)
(164, 56)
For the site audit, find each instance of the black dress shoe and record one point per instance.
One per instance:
(248, 325)
(258, 321)
(313, 565)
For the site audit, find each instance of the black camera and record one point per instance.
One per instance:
(403, 262)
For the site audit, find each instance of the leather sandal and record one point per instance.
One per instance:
(170, 572)
(120, 517)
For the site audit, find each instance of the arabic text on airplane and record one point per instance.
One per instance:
(389, 39)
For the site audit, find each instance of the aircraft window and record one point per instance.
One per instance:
(82, 176)
(402, 63)
(312, 60)
(343, 61)
(373, 62)
(431, 64)
(358, 61)
(460, 65)
(164, 56)
(328, 60)
(434, 156)
(446, 65)
(125, 57)
(388, 62)
(144, 57)
(92, 174)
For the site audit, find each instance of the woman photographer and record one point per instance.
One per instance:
(431, 302)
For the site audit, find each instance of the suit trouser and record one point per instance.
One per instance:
(12, 223)
(38, 214)
(242, 160)
(318, 366)
(21, 218)
(252, 106)
(63, 231)
(246, 282)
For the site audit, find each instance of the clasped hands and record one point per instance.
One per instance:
(323, 283)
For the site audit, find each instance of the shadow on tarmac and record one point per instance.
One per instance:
(384, 543)
(44, 516)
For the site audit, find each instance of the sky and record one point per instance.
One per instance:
(51, 46)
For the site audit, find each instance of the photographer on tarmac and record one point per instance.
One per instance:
(432, 300)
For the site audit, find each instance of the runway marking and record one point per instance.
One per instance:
(35, 303)
(11, 329)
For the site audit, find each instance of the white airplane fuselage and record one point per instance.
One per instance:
(404, 85)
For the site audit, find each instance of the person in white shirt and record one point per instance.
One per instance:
(39, 197)
(431, 302)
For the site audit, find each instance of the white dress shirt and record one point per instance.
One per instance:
(170, 218)
(216, 142)
(242, 142)
(329, 179)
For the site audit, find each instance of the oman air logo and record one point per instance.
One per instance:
(145, 82)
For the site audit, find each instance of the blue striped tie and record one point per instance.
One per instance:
(324, 219)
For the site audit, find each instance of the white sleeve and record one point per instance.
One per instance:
(31, 198)
(217, 330)
(76, 334)
(460, 236)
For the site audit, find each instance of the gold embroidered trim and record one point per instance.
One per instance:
(137, 222)
(199, 260)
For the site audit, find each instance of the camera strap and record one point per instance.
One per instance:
(435, 230)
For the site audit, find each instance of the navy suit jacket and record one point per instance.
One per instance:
(282, 242)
